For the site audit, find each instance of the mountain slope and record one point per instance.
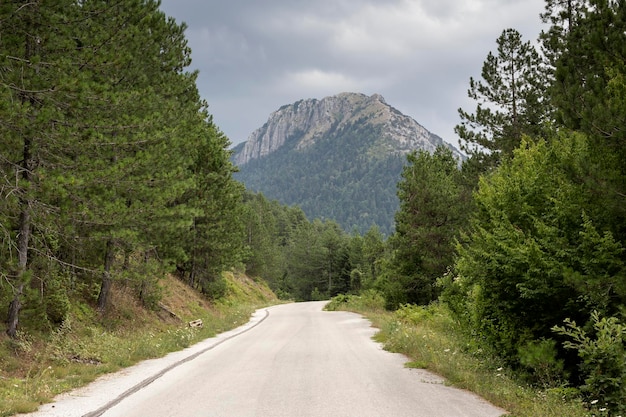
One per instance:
(338, 158)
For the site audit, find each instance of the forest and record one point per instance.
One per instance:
(525, 244)
(340, 178)
(114, 173)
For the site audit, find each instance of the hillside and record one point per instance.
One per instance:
(338, 158)
(37, 366)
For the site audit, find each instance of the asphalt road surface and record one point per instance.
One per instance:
(295, 361)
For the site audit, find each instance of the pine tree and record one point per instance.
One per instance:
(263, 240)
(589, 93)
(218, 230)
(430, 216)
(135, 170)
(38, 81)
(562, 15)
(373, 252)
(102, 133)
(589, 74)
(510, 101)
(307, 261)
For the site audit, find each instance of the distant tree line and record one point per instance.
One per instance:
(307, 260)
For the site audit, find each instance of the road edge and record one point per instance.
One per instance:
(238, 331)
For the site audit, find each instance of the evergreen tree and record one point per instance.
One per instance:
(307, 261)
(338, 268)
(430, 216)
(268, 226)
(510, 101)
(38, 80)
(365, 258)
(136, 170)
(562, 15)
(103, 133)
(373, 251)
(589, 93)
(218, 230)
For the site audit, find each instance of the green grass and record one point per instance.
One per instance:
(432, 340)
(36, 367)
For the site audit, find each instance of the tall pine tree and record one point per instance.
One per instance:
(510, 101)
(430, 216)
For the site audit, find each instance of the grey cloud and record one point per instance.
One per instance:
(254, 56)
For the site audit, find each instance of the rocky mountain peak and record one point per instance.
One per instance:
(306, 121)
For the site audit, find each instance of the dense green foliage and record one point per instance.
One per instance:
(433, 207)
(111, 169)
(537, 251)
(306, 260)
(338, 178)
(545, 246)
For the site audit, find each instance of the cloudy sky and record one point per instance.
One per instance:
(257, 55)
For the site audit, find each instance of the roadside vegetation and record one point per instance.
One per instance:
(35, 367)
(506, 274)
(520, 252)
(431, 339)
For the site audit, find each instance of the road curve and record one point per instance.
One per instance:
(299, 361)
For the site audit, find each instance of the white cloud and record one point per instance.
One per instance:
(319, 83)
(316, 78)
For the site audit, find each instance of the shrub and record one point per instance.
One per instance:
(603, 361)
(215, 289)
(57, 302)
(414, 314)
(337, 301)
(540, 358)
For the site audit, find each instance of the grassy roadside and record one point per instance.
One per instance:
(35, 368)
(431, 339)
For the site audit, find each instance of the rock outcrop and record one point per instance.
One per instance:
(305, 121)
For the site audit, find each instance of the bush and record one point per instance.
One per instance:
(317, 295)
(57, 302)
(337, 302)
(414, 314)
(540, 358)
(603, 361)
(393, 292)
(369, 300)
(215, 289)
(356, 280)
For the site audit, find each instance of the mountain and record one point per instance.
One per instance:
(338, 158)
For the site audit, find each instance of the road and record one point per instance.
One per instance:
(297, 361)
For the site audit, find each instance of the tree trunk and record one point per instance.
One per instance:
(144, 286)
(192, 272)
(105, 287)
(22, 249)
(22, 244)
(14, 313)
(25, 170)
